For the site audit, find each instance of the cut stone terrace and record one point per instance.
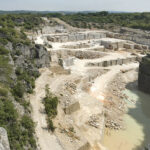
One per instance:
(102, 36)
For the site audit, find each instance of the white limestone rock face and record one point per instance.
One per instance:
(4, 143)
(76, 36)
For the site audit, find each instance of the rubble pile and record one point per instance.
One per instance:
(94, 121)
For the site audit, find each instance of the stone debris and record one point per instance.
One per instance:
(94, 121)
(112, 124)
(71, 87)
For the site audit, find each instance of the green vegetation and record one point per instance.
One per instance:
(3, 51)
(12, 27)
(15, 81)
(20, 129)
(20, 132)
(25, 21)
(50, 104)
(101, 19)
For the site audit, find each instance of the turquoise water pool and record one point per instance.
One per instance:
(137, 122)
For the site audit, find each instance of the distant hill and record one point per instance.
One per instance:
(46, 12)
(43, 12)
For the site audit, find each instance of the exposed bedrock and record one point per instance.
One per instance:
(141, 46)
(72, 107)
(113, 44)
(37, 53)
(114, 62)
(4, 143)
(86, 54)
(76, 36)
(136, 35)
(144, 75)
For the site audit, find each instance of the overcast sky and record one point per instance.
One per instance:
(76, 5)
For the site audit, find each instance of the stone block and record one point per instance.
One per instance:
(133, 59)
(145, 47)
(60, 62)
(120, 45)
(110, 34)
(128, 46)
(113, 62)
(119, 62)
(71, 38)
(100, 64)
(72, 107)
(125, 61)
(86, 146)
(80, 37)
(69, 61)
(138, 46)
(64, 38)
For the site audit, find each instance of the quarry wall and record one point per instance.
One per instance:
(144, 75)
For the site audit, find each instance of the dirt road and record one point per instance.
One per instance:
(46, 140)
(101, 83)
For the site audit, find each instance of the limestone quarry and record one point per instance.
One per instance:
(88, 71)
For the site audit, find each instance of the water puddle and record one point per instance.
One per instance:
(137, 120)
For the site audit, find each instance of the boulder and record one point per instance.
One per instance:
(129, 46)
(4, 143)
(72, 107)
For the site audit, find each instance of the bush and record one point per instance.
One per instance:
(3, 51)
(18, 90)
(3, 92)
(28, 77)
(3, 41)
(50, 104)
(50, 125)
(27, 123)
(28, 133)
(103, 19)
(20, 129)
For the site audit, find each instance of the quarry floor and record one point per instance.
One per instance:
(92, 104)
(46, 140)
(90, 94)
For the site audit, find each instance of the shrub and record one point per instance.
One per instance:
(3, 51)
(27, 123)
(50, 125)
(50, 104)
(3, 41)
(3, 92)
(18, 90)
(28, 133)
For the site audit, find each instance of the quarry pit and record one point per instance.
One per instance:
(89, 69)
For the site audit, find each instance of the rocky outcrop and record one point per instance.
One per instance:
(80, 54)
(42, 57)
(78, 36)
(4, 143)
(144, 75)
(114, 62)
(135, 35)
(37, 54)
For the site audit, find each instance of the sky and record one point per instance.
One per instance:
(77, 5)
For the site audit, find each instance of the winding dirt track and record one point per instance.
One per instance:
(69, 27)
(46, 140)
(101, 83)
